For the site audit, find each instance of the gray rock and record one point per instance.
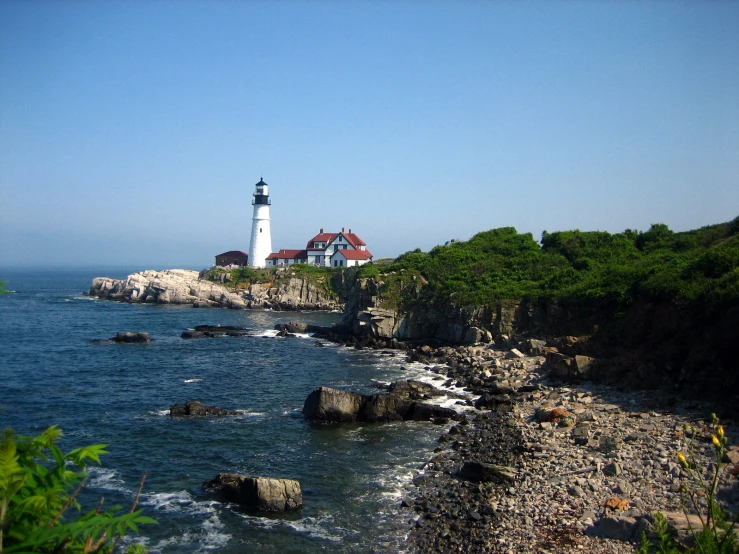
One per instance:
(619, 528)
(480, 471)
(265, 494)
(331, 405)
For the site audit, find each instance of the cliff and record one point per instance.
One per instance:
(653, 343)
(181, 286)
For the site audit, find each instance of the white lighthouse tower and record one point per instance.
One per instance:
(261, 237)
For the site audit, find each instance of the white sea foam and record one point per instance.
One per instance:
(210, 539)
(250, 413)
(173, 502)
(210, 536)
(266, 333)
(193, 380)
(322, 528)
(318, 527)
(106, 479)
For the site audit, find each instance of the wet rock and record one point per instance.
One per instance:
(193, 408)
(265, 494)
(330, 405)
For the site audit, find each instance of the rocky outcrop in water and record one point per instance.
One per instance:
(193, 408)
(403, 401)
(264, 494)
(127, 338)
(215, 331)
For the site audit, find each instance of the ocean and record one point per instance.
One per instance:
(352, 476)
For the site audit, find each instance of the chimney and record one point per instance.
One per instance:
(342, 229)
(321, 230)
(350, 231)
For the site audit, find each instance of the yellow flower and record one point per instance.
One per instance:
(720, 431)
(715, 441)
(682, 460)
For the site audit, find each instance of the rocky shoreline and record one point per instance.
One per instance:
(183, 286)
(589, 464)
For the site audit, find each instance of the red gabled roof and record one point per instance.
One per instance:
(322, 237)
(328, 238)
(287, 254)
(354, 240)
(234, 253)
(354, 254)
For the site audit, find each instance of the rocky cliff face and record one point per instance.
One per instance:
(181, 286)
(654, 344)
(366, 315)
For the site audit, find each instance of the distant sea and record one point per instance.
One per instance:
(353, 477)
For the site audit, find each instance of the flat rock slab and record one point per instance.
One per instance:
(487, 473)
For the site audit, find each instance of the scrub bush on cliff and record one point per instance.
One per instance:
(39, 486)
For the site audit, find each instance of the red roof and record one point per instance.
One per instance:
(234, 253)
(322, 237)
(354, 254)
(286, 254)
(354, 240)
(328, 238)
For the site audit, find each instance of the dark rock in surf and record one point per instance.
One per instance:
(329, 405)
(200, 331)
(193, 408)
(129, 338)
(264, 494)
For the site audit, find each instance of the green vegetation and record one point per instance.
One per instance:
(713, 533)
(694, 266)
(38, 486)
(243, 277)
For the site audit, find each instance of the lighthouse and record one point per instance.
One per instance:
(261, 237)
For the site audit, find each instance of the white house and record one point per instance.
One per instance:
(287, 257)
(321, 249)
(350, 258)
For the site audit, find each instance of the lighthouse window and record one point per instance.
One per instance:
(260, 229)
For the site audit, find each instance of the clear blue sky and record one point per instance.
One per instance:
(132, 133)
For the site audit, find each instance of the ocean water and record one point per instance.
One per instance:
(352, 477)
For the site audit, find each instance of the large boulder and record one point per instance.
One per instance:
(265, 494)
(331, 405)
(193, 408)
(414, 390)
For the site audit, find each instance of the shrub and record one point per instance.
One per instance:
(716, 534)
(38, 486)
